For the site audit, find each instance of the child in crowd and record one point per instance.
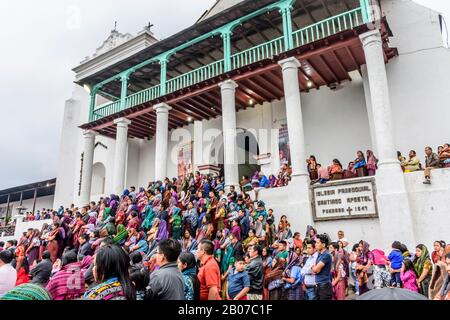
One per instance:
(238, 281)
(396, 258)
(408, 276)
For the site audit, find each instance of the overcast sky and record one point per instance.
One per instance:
(41, 42)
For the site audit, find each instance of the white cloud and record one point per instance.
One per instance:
(41, 42)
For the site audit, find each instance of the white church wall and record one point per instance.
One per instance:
(430, 207)
(418, 78)
(146, 162)
(336, 122)
(132, 165)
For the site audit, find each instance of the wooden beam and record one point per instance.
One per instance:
(340, 65)
(251, 94)
(269, 86)
(260, 90)
(201, 107)
(328, 67)
(302, 4)
(352, 58)
(315, 70)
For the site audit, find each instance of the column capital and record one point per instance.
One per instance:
(90, 134)
(289, 63)
(162, 107)
(370, 37)
(122, 122)
(228, 85)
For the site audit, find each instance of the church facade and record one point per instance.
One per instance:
(254, 84)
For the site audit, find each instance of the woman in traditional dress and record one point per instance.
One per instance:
(424, 268)
(372, 162)
(292, 278)
(274, 279)
(338, 272)
(54, 241)
(111, 265)
(364, 261)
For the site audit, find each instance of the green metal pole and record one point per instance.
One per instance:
(226, 35)
(124, 91)
(92, 106)
(163, 80)
(363, 5)
(287, 28)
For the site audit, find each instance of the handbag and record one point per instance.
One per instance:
(275, 284)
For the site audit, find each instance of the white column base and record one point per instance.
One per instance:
(299, 198)
(393, 205)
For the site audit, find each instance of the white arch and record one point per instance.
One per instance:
(98, 178)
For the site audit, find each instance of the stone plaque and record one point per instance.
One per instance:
(345, 199)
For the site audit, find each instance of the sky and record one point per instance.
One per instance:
(41, 41)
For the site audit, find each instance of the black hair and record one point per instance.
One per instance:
(107, 241)
(355, 247)
(240, 258)
(283, 242)
(171, 249)
(335, 245)
(11, 242)
(111, 261)
(136, 257)
(208, 246)
(46, 255)
(447, 256)
(311, 242)
(69, 257)
(409, 265)
(84, 236)
(396, 245)
(441, 243)
(257, 248)
(2, 244)
(323, 238)
(140, 279)
(403, 248)
(6, 256)
(189, 259)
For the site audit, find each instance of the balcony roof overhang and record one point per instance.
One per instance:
(325, 62)
(196, 30)
(308, 10)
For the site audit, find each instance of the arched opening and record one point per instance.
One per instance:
(98, 179)
(247, 149)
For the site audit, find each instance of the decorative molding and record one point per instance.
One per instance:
(100, 144)
(120, 48)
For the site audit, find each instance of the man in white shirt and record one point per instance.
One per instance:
(341, 237)
(8, 275)
(309, 276)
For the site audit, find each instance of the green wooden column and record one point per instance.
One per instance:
(163, 78)
(365, 9)
(92, 106)
(226, 36)
(287, 27)
(124, 92)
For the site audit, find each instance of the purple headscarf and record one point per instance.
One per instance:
(163, 233)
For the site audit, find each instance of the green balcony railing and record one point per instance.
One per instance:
(106, 110)
(143, 96)
(263, 51)
(195, 76)
(320, 30)
(328, 27)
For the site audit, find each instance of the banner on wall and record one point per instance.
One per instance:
(185, 159)
(283, 144)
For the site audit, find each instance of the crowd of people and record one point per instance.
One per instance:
(189, 239)
(367, 165)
